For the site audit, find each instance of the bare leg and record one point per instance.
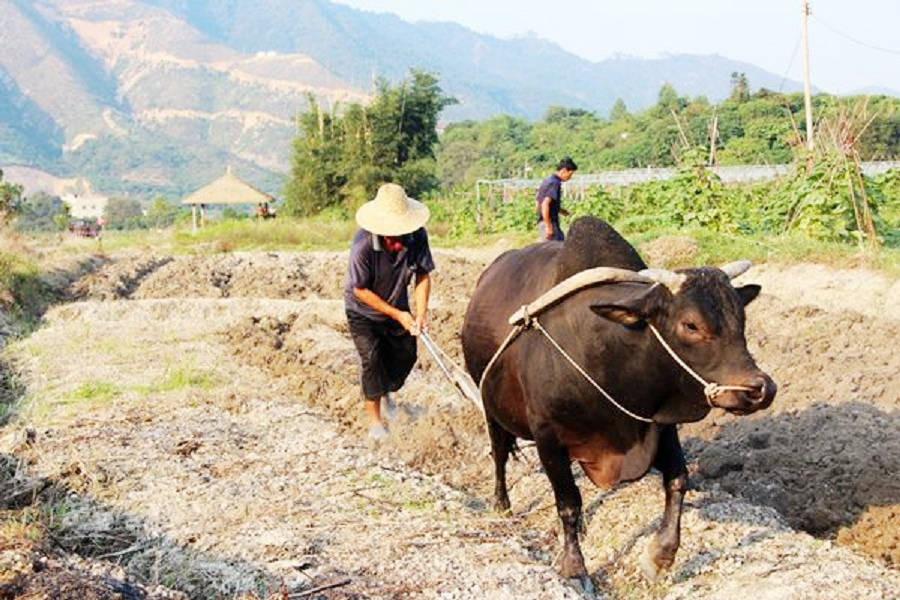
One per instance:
(377, 428)
(670, 461)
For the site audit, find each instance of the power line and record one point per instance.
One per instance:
(853, 39)
(790, 64)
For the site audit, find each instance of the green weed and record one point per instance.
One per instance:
(185, 377)
(95, 391)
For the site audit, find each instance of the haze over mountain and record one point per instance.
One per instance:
(150, 96)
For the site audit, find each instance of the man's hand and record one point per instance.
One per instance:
(548, 233)
(422, 321)
(408, 321)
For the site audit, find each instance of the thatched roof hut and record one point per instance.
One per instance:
(227, 189)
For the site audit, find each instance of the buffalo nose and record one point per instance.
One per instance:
(764, 390)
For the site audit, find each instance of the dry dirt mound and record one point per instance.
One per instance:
(827, 455)
(116, 280)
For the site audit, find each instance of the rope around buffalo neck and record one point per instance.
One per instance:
(539, 327)
(528, 322)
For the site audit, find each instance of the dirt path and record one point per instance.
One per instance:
(202, 412)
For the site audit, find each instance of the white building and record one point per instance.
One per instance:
(85, 206)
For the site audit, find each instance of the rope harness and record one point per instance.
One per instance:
(526, 318)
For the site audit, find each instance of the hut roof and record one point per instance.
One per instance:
(228, 189)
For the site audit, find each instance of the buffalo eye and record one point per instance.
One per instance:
(692, 332)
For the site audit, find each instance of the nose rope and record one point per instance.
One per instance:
(710, 388)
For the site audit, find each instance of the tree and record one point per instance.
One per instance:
(342, 158)
(740, 87)
(10, 199)
(618, 111)
(42, 212)
(161, 213)
(316, 179)
(669, 100)
(124, 213)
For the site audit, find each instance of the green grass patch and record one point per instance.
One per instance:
(94, 391)
(283, 233)
(178, 379)
(419, 505)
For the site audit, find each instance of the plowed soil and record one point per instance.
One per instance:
(263, 460)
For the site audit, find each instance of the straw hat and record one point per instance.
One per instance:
(392, 212)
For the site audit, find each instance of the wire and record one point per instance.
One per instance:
(790, 64)
(854, 40)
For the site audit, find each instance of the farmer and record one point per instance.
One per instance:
(386, 252)
(548, 201)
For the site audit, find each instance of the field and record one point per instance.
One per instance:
(189, 426)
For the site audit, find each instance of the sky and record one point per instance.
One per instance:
(853, 45)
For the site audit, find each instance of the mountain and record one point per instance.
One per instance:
(521, 76)
(875, 90)
(156, 96)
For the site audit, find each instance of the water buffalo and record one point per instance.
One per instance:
(533, 392)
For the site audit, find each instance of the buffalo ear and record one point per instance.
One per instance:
(630, 311)
(748, 292)
(617, 314)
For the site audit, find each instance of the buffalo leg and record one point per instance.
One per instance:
(557, 464)
(501, 444)
(670, 461)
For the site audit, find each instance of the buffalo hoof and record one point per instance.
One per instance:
(571, 565)
(502, 506)
(654, 561)
(585, 585)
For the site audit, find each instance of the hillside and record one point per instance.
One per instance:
(154, 96)
(519, 77)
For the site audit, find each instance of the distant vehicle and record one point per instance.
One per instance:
(84, 229)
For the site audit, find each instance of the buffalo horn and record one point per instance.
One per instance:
(670, 279)
(736, 268)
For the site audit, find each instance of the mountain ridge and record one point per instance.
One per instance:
(146, 96)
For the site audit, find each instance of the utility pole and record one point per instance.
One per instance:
(807, 100)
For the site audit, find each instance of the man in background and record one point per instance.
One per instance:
(548, 201)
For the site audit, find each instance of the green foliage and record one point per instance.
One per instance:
(340, 159)
(10, 199)
(756, 128)
(161, 213)
(618, 111)
(124, 213)
(740, 87)
(24, 295)
(42, 212)
(94, 390)
(327, 230)
(817, 204)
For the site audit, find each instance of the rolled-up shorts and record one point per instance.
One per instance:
(557, 232)
(387, 353)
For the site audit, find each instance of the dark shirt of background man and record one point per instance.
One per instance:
(549, 188)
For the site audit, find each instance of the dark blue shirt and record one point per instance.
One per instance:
(552, 187)
(386, 273)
